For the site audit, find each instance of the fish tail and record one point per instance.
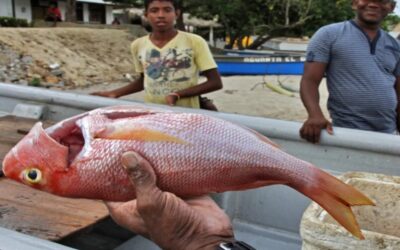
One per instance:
(336, 198)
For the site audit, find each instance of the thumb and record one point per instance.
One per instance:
(140, 172)
(329, 128)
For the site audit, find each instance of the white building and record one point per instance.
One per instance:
(87, 11)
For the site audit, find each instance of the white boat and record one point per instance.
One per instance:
(266, 218)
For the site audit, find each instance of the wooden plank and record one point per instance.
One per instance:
(37, 213)
(43, 215)
(13, 129)
(4, 149)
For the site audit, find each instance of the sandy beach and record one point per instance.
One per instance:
(247, 95)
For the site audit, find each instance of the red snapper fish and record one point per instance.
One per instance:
(192, 155)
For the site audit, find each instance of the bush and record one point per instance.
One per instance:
(13, 22)
(35, 82)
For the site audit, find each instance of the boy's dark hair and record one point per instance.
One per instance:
(148, 2)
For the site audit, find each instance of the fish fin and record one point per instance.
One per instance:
(348, 194)
(138, 134)
(336, 198)
(341, 212)
(262, 137)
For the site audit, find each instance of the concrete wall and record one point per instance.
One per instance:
(6, 8)
(63, 9)
(85, 13)
(23, 9)
(109, 14)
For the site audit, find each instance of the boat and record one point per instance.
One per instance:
(252, 52)
(266, 218)
(275, 64)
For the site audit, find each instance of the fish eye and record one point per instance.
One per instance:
(33, 175)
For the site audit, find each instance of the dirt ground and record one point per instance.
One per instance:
(248, 96)
(98, 59)
(86, 55)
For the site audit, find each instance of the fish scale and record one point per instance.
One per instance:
(191, 154)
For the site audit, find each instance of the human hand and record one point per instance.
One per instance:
(172, 98)
(105, 94)
(169, 221)
(311, 129)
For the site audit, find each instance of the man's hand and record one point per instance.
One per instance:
(311, 130)
(169, 221)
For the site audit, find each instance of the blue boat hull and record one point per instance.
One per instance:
(261, 65)
(261, 68)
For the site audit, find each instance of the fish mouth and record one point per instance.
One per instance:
(70, 136)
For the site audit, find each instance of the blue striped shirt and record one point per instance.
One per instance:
(361, 75)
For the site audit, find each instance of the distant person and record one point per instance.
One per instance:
(362, 66)
(169, 62)
(53, 14)
(116, 21)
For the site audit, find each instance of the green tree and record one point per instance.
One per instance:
(390, 22)
(128, 2)
(267, 19)
(238, 17)
(264, 18)
(185, 6)
(281, 18)
(324, 12)
(273, 18)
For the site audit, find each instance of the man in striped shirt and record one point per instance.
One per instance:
(362, 66)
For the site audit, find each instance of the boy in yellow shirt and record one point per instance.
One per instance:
(169, 61)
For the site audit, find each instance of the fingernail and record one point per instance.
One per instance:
(130, 161)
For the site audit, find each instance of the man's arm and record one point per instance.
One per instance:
(397, 85)
(213, 83)
(133, 87)
(313, 74)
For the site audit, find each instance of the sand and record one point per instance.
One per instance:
(248, 96)
(87, 56)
